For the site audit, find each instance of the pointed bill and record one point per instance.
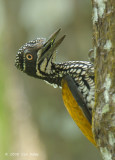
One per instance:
(50, 45)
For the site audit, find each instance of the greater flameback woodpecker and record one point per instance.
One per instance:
(76, 78)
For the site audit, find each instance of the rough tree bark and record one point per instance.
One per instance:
(103, 14)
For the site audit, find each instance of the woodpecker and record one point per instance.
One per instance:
(76, 78)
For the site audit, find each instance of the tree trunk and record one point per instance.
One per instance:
(103, 15)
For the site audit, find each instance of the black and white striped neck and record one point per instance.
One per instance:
(76, 69)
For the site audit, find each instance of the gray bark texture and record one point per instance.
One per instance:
(103, 17)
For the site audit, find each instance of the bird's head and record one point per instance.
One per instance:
(35, 57)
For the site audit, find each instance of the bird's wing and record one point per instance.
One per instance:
(76, 107)
(78, 97)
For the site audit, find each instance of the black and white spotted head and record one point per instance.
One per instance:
(35, 57)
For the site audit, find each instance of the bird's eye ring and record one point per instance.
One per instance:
(29, 57)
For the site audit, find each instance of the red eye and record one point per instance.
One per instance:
(29, 57)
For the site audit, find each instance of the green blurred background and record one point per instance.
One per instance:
(34, 124)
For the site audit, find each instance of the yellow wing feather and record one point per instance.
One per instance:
(76, 113)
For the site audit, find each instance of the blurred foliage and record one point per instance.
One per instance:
(5, 115)
(32, 112)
